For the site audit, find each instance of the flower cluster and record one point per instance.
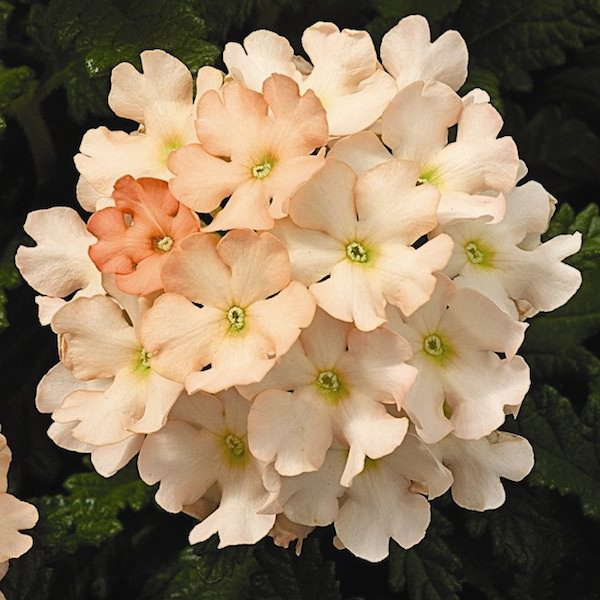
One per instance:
(16, 515)
(301, 293)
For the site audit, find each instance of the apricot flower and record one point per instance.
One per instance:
(255, 148)
(250, 316)
(136, 236)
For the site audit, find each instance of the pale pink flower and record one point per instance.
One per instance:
(160, 100)
(507, 262)
(386, 501)
(53, 389)
(285, 531)
(345, 74)
(477, 466)
(97, 341)
(409, 55)
(59, 265)
(463, 386)
(136, 236)
(204, 443)
(255, 148)
(359, 231)
(251, 312)
(415, 128)
(340, 377)
(15, 515)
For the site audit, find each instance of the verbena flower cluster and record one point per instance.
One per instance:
(301, 292)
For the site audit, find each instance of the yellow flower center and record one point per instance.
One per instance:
(261, 171)
(237, 318)
(328, 381)
(356, 252)
(164, 244)
(433, 345)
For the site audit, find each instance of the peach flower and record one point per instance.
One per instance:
(250, 314)
(136, 236)
(255, 148)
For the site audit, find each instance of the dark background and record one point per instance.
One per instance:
(105, 539)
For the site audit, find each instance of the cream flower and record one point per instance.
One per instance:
(204, 443)
(409, 55)
(359, 233)
(14, 516)
(97, 341)
(250, 315)
(415, 128)
(255, 148)
(477, 466)
(160, 100)
(463, 386)
(502, 260)
(345, 74)
(59, 265)
(339, 378)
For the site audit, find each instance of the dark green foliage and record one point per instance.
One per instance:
(86, 38)
(430, 570)
(89, 513)
(103, 539)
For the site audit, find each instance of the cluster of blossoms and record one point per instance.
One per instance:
(301, 293)
(16, 515)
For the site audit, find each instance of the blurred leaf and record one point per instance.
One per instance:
(566, 446)
(89, 514)
(9, 279)
(14, 82)
(301, 577)
(84, 39)
(430, 570)
(391, 11)
(6, 11)
(28, 578)
(511, 37)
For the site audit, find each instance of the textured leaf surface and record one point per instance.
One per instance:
(430, 570)
(567, 446)
(513, 37)
(86, 38)
(89, 513)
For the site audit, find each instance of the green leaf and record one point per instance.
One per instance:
(89, 513)
(14, 82)
(512, 38)
(429, 570)
(9, 279)
(566, 446)
(391, 11)
(299, 578)
(86, 38)
(28, 578)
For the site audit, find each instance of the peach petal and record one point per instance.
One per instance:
(409, 55)
(196, 271)
(416, 123)
(96, 340)
(201, 180)
(107, 460)
(164, 79)
(59, 264)
(291, 430)
(181, 337)
(247, 253)
(16, 515)
(361, 151)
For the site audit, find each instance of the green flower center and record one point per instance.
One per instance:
(261, 171)
(474, 253)
(235, 445)
(356, 252)
(164, 244)
(143, 361)
(237, 318)
(433, 345)
(328, 381)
